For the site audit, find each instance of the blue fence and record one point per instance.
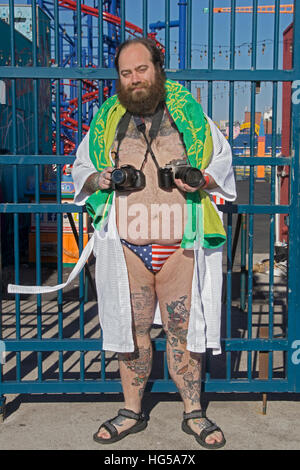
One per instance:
(41, 336)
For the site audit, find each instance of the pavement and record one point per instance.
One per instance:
(67, 422)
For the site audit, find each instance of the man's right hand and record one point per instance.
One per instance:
(104, 179)
(98, 181)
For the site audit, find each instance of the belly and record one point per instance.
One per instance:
(151, 215)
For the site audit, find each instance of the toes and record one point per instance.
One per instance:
(214, 438)
(103, 434)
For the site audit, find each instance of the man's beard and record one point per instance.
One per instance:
(146, 101)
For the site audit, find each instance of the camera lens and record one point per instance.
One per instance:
(191, 176)
(118, 176)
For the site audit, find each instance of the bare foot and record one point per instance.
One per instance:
(121, 423)
(198, 424)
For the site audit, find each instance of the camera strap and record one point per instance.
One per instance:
(122, 129)
(155, 125)
(140, 124)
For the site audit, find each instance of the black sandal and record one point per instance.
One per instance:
(141, 423)
(208, 427)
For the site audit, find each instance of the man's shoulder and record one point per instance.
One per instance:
(108, 104)
(173, 85)
(104, 109)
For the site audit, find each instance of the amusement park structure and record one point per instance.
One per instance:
(90, 58)
(66, 38)
(52, 116)
(260, 9)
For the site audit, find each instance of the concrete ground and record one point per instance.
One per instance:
(67, 422)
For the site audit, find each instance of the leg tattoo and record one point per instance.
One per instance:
(141, 368)
(142, 306)
(184, 369)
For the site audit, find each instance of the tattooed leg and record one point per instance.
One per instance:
(135, 367)
(184, 369)
(173, 287)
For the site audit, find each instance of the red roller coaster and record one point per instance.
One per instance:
(91, 91)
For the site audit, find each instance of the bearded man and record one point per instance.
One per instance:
(138, 261)
(158, 234)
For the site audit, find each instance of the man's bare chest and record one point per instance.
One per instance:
(166, 146)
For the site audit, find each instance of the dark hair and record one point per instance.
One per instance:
(157, 56)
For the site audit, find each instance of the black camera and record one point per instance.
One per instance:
(181, 170)
(127, 178)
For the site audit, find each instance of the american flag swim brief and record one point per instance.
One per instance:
(153, 256)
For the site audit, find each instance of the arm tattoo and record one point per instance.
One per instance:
(92, 183)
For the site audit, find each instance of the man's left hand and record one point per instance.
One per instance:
(184, 187)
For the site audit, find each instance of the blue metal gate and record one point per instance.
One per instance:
(55, 345)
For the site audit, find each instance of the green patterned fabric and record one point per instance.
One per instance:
(204, 224)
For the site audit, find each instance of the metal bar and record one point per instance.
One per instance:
(182, 33)
(245, 385)
(90, 344)
(273, 217)
(98, 386)
(15, 183)
(254, 35)
(251, 189)
(64, 159)
(276, 35)
(166, 369)
(232, 34)
(36, 208)
(167, 34)
(81, 297)
(236, 237)
(10, 208)
(100, 50)
(189, 40)
(59, 144)
(210, 78)
(86, 267)
(79, 64)
(103, 372)
(273, 182)
(229, 292)
(37, 183)
(92, 73)
(263, 358)
(294, 251)
(145, 18)
(232, 65)
(243, 261)
(123, 17)
(258, 344)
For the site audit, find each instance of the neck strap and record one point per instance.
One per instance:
(155, 125)
(140, 124)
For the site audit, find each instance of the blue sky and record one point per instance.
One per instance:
(265, 33)
(265, 39)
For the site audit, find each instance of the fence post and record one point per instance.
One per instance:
(294, 235)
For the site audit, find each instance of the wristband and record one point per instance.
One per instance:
(207, 181)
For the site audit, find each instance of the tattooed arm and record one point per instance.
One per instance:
(98, 181)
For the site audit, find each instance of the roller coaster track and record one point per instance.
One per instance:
(92, 93)
(109, 18)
